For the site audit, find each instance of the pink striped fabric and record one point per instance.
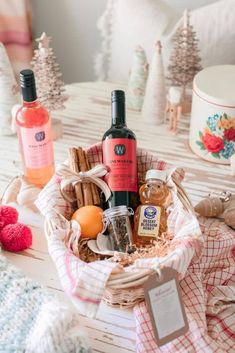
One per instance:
(15, 31)
(84, 283)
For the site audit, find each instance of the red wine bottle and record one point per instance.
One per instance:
(119, 155)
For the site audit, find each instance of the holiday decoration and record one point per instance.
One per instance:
(27, 195)
(23, 193)
(9, 92)
(185, 59)
(8, 215)
(137, 80)
(222, 206)
(210, 207)
(50, 87)
(155, 97)
(104, 25)
(174, 108)
(14, 236)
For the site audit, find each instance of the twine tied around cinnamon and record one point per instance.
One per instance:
(93, 175)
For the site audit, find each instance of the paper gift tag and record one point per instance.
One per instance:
(165, 307)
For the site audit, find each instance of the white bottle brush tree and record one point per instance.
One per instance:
(50, 87)
(137, 79)
(185, 59)
(155, 95)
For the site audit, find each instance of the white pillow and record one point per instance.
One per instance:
(137, 22)
(143, 22)
(215, 28)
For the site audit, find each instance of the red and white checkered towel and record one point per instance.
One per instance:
(208, 293)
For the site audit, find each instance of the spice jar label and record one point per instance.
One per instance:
(165, 306)
(149, 221)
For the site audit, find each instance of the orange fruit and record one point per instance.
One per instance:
(90, 220)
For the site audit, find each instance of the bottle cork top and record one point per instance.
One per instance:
(27, 83)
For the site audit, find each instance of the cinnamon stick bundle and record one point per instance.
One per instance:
(86, 193)
(74, 166)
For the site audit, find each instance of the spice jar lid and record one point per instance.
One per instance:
(156, 174)
(118, 211)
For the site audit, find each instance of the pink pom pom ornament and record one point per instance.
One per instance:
(8, 215)
(16, 237)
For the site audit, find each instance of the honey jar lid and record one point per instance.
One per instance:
(156, 174)
(216, 85)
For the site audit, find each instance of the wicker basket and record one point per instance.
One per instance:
(126, 289)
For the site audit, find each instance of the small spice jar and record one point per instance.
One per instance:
(119, 227)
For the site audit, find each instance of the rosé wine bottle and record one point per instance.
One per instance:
(34, 133)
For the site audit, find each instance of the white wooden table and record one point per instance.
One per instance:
(86, 117)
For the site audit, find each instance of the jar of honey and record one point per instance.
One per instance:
(150, 219)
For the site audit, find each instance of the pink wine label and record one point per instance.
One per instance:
(119, 155)
(36, 144)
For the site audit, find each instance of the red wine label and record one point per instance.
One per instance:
(119, 155)
(37, 146)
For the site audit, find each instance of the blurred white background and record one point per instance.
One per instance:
(76, 40)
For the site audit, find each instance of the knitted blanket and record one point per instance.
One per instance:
(34, 321)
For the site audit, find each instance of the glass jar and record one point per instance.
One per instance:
(118, 225)
(150, 218)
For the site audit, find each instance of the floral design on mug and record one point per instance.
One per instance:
(218, 136)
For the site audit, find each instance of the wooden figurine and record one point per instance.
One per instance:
(174, 108)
